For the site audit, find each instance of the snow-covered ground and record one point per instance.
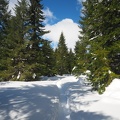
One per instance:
(58, 98)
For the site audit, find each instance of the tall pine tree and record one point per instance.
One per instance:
(70, 61)
(4, 25)
(100, 30)
(25, 43)
(61, 56)
(36, 42)
(16, 43)
(49, 59)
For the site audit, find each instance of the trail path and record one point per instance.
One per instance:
(58, 98)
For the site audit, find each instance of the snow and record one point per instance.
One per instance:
(18, 75)
(58, 98)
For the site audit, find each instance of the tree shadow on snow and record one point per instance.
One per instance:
(83, 89)
(29, 103)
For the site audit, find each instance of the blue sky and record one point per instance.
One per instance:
(61, 16)
(62, 9)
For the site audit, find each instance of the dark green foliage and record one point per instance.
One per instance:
(114, 57)
(4, 25)
(61, 56)
(34, 46)
(4, 18)
(70, 61)
(81, 57)
(17, 42)
(27, 55)
(49, 59)
(99, 44)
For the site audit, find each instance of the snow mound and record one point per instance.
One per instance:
(113, 90)
(115, 85)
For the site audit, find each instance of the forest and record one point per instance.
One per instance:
(25, 55)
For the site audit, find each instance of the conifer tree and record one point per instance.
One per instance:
(4, 25)
(81, 57)
(4, 19)
(55, 56)
(27, 58)
(16, 43)
(100, 36)
(111, 37)
(61, 57)
(70, 61)
(82, 52)
(49, 59)
(105, 37)
(36, 42)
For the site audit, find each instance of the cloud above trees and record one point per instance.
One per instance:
(69, 28)
(49, 17)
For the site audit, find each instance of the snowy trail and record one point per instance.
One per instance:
(79, 103)
(64, 97)
(72, 93)
(29, 101)
(58, 98)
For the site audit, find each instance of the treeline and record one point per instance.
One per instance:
(24, 54)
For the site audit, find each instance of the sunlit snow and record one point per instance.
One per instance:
(58, 98)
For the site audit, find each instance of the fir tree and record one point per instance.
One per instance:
(49, 59)
(16, 43)
(111, 37)
(70, 61)
(4, 25)
(4, 19)
(61, 57)
(81, 57)
(55, 56)
(100, 36)
(36, 42)
(105, 36)
(27, 58)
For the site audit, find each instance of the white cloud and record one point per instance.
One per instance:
(69, 29)
(80, 1)
(12, 5)
(49, 15)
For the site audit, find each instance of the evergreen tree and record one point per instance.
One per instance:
(61, 57)
(70, 61)
(81, 57)
(16, 43)
(100, 30)
(55, 56)
(4, 19)
(4, 25)
(28, 54)
(106, 36)
(36, 42)
(82, 53)
(111, 35)
(49, 59)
